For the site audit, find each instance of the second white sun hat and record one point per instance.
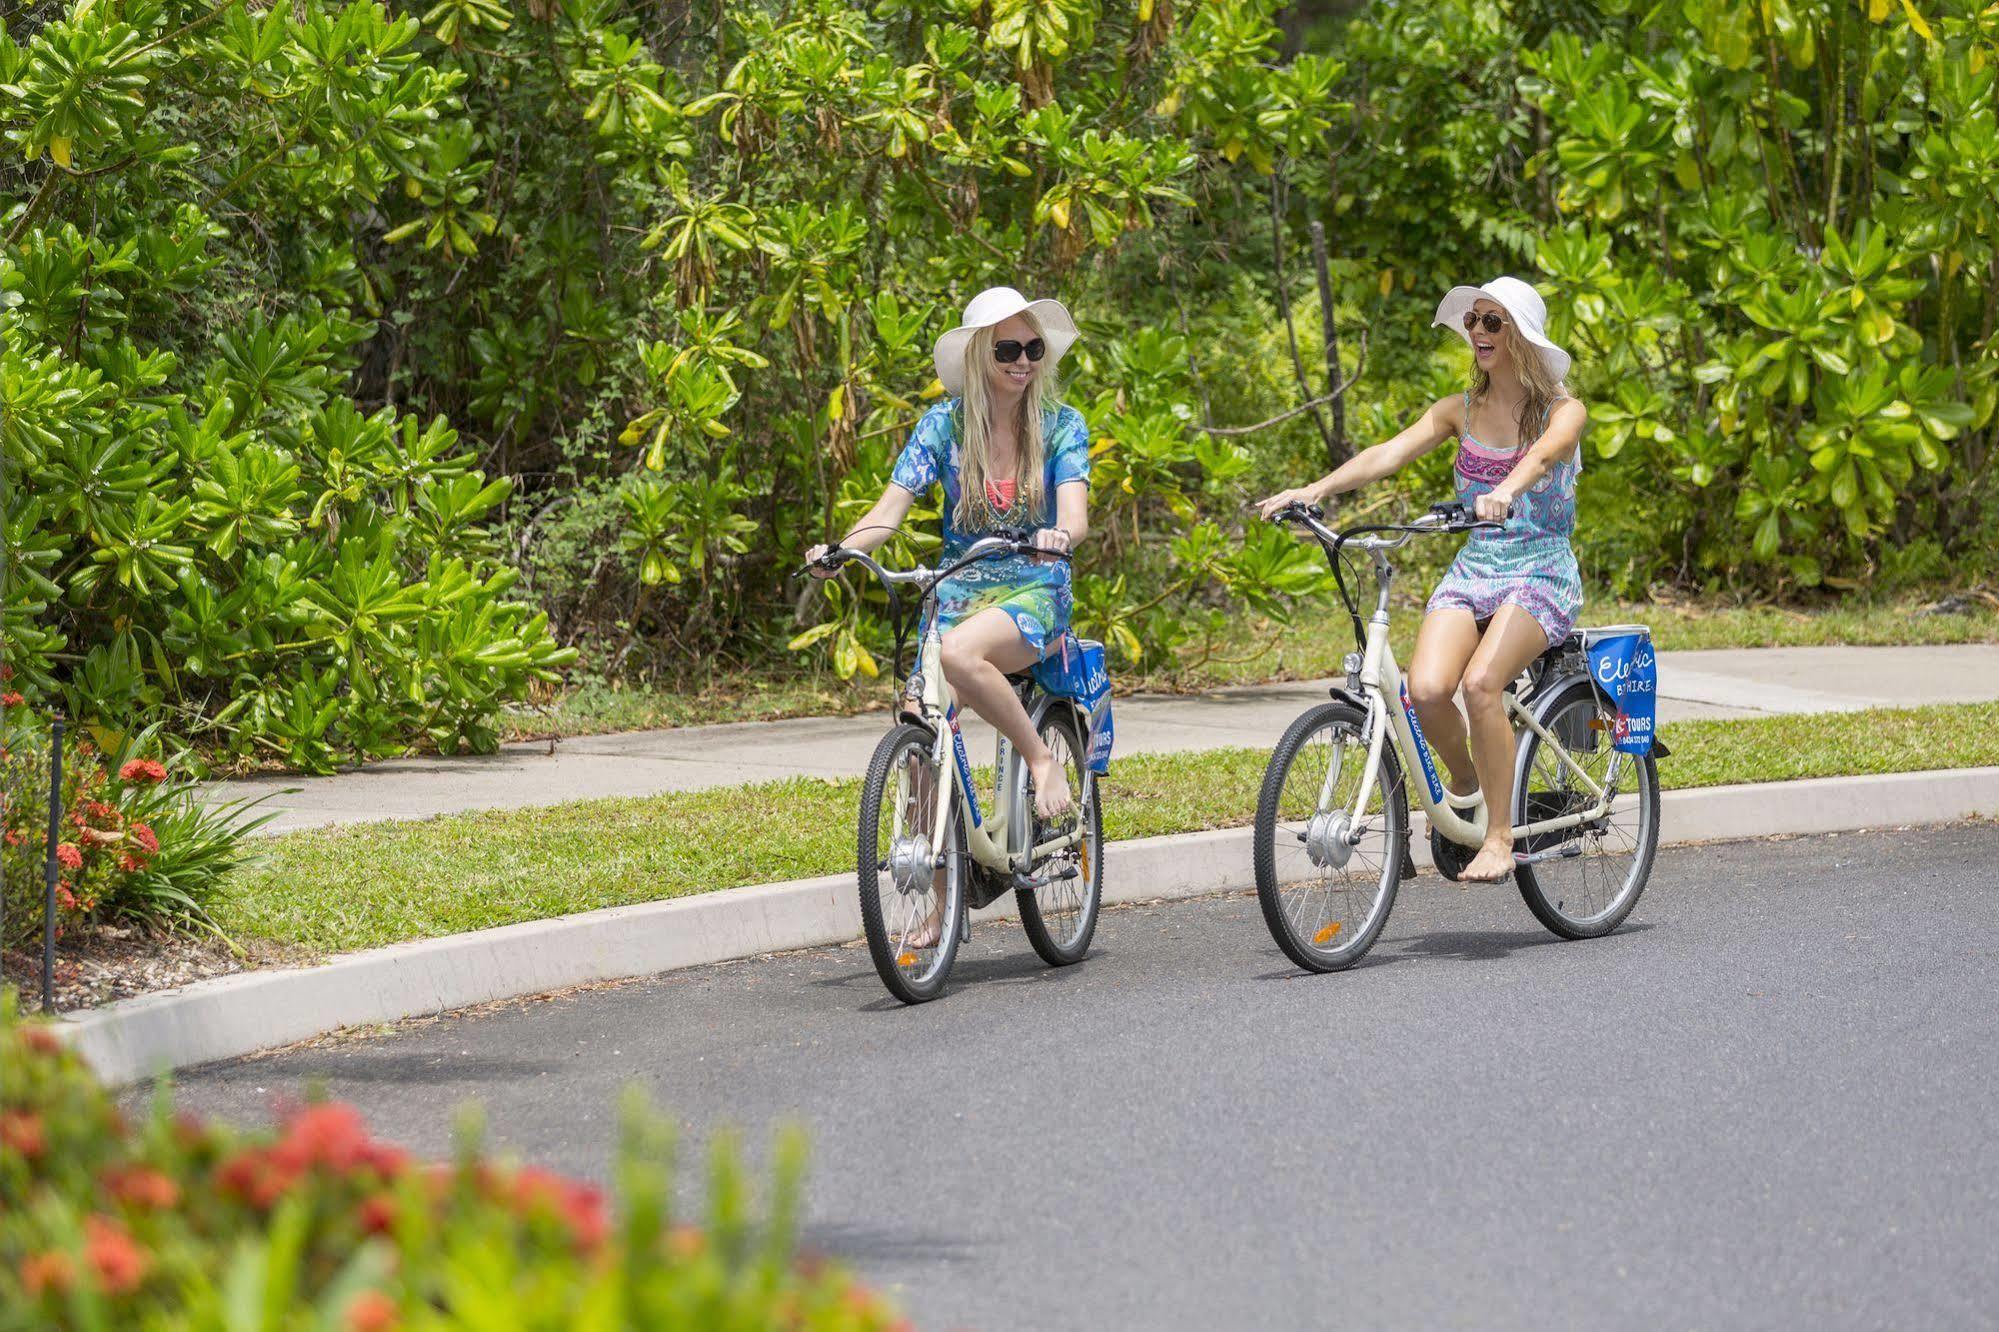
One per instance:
(992, 306)
(1522, 304)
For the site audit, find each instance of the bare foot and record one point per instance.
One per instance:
(928, 933)
(1492, 864)
(1051, 788)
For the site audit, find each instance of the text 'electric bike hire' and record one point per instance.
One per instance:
(1332, 821)
(929, 851)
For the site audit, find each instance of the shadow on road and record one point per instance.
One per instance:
(425, 1068)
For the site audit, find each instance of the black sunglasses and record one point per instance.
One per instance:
(1493, 323)
(1006, 353)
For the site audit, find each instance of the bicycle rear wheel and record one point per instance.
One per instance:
(1060, 917)
(1327, 883)
(903, 894)
(1596, 872)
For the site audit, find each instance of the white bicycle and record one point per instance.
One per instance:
(1332, 821)
(929, 853)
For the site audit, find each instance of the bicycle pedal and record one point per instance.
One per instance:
(1566, 851)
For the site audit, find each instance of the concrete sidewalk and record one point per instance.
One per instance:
(1736, 682)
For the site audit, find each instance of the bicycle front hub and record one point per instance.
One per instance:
(1326, 839)
(909, 865)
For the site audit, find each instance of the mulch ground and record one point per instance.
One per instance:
(110, 962)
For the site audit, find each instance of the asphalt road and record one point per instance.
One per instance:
(1767, 1102)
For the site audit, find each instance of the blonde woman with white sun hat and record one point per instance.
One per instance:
(1513, 592)
(1007, 452)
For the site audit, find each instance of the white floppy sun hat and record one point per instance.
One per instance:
(992, 306)
(1522, 304)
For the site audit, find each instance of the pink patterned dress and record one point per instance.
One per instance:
(1529, 562)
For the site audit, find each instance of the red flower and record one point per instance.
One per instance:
(118, 1259)
(331, 1135)
(41, 1040)
(141, 1186)
(68, 856)
(372, 1311)
(14, 837)
(256, 1177)
(6, 672)
(579, 1206)
(145, 837)
(21, 1133)
(143, 771)
(377, 1215)
(48, 1271)
(10, 699)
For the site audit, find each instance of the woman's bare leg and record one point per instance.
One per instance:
(1444, 646)
(1513, 640)
(978, 654)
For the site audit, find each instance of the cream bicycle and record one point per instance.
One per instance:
(929, 852)
(1332, 821)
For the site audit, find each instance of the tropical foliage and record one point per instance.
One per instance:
(345, 343)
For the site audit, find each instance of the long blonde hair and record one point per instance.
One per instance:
(975, 511)
(1541, 390)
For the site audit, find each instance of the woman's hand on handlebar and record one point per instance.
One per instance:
(1054, 540)
(815, 562)
(1285, 498)
(1492, 507)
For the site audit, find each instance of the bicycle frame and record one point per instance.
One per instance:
(995, 841)
(1460, 819)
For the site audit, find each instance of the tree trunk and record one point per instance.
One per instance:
(1337, 450)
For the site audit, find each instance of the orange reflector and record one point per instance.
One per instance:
(906, 960)
(1326, 933)
(1598, 724)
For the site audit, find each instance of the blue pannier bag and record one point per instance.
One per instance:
(1624, 666)
(1075, 671)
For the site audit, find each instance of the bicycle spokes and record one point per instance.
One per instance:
(1329, 864)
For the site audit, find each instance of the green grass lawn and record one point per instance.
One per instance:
(356, 887)
(1255, 651)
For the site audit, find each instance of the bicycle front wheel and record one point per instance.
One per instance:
(1593, 874)
(910, 907)
(1060, 916)
(1325, 879)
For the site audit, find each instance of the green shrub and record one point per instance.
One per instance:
(173, 1223)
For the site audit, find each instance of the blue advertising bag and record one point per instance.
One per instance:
(1075, 670)
(1623, 664)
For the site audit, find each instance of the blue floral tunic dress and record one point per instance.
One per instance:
(1035, 594)
(1529, 562)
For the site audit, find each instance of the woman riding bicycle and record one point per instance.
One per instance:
(1007, 454)
(1512, 592)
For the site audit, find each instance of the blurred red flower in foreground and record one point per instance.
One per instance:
(48, 1271)
(21, 1133)
(117, 1258)
(371, 1311)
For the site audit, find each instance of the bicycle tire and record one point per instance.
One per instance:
(1547, 888)
(1061, 948)
(879, 894)
(1308, 949)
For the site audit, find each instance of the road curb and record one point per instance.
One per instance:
(236, 1015)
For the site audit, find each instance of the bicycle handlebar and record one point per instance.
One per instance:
(1450, 517)
(1003, 541)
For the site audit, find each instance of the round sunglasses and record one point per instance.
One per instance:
(1007, 352)
(1491, 322)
